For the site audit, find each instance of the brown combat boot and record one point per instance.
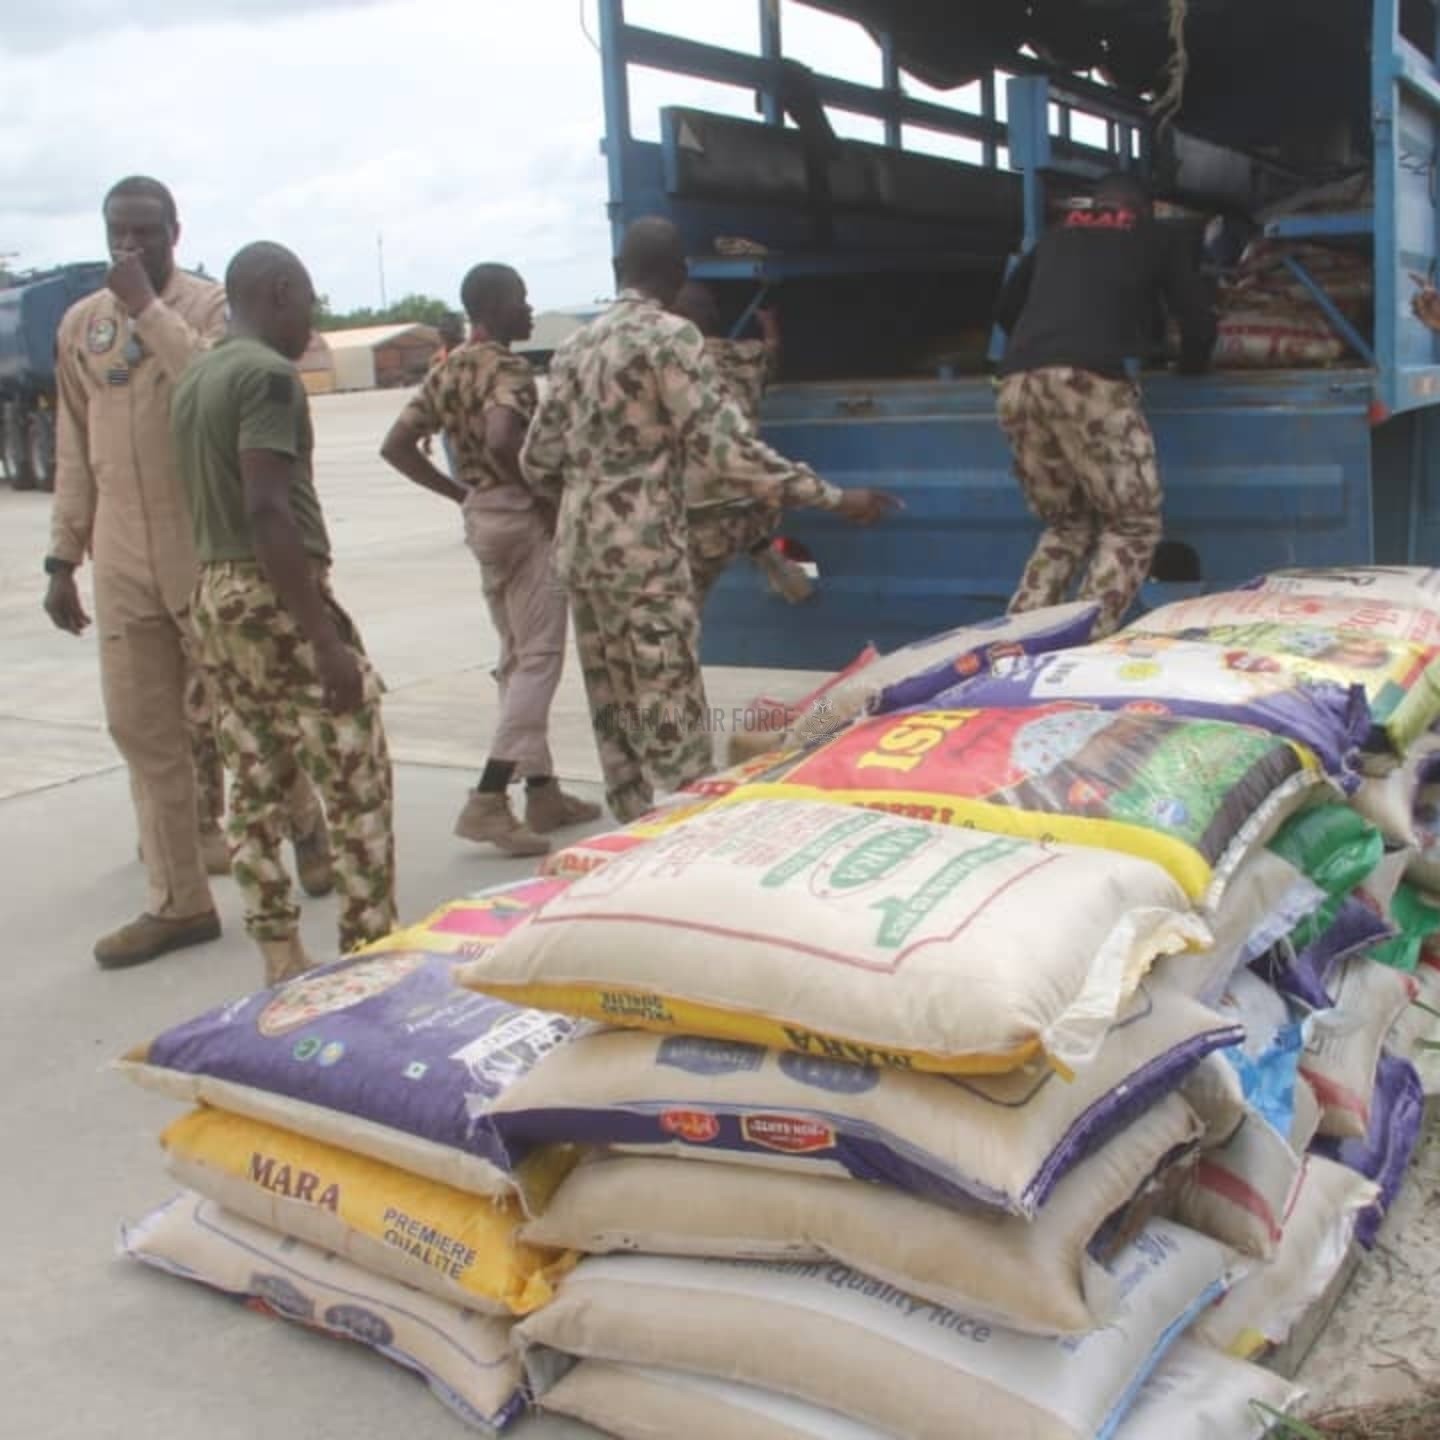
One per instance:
(215, 852)
(314, 862)
(284, 959)
(548, 807)
(488, 819)
(150, 936)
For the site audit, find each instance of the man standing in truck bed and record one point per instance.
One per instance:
(117, 496)
(1076, 308)
(633, 410)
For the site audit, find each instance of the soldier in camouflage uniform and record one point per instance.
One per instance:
(723, 529)
(1077, 310)
(284, 660)
(481, 398)
(633, 410)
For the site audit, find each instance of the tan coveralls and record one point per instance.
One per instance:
(117, 493)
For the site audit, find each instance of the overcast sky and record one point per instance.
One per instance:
(460, 129)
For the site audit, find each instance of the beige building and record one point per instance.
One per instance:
(374, 357)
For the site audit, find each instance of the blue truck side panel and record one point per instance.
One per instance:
(30, 314)
(1243, 492)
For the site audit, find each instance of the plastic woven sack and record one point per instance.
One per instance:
(1344, 1044)
(1411, 585)
(1263, 1307)
(1043, 1275)
(383, 1054)
(1195, 796)
(831, 1337)
(1160, 675)
(446, 1242)
(465, 1358)
(1004, 1141)
(1383, 1154)
(1389, 650)
(852, 935)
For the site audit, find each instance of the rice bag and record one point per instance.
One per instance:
(1263, 1307)
(1391, 651)
(1194, 1394)
(1383, 1154)
(1268, 1059)
(906, 676)
(1196, 796)
(382, 1053)
(1161, 675)
(1265, 901)
(1307, 974)
(1414, 917)
(1043, 1275)
(834, 1338)
(1197, 1393)
(1344, 1044)
(1336, 848)
(1031, 632)
(465, 1358)
(852, 935)
(446, 1242)
(1414, 586)
(1003, 1141)
(632, 1402)
(1240, 1192)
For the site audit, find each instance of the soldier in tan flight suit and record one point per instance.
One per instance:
(117, 495)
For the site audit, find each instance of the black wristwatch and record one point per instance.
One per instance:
(55, 566)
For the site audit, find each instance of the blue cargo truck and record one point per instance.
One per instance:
(885, 263)
(31, 307)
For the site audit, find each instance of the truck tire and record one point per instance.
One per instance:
(15, 449)
(40, 448)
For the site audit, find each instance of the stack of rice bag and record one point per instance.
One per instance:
(1035, 1004)
(341, 1169)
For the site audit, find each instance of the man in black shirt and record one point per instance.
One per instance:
(1076, 308)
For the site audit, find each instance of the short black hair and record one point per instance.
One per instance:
(256, 265)
(1123, 187)
(486, 286)
(143, 187)
(650, 249)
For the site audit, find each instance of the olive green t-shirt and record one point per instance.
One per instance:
(242, 395)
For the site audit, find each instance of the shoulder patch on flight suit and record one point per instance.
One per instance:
(100, 336)
(281, 389)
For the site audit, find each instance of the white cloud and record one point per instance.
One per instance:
(461, 129)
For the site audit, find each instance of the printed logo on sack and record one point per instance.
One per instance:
(787, 1133)
(840, 1077)
(694, 1126)
(709, 1057)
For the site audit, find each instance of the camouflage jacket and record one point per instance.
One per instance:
(458, 391)
(633, 407)
(746, 367)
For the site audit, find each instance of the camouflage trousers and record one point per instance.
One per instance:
(640, 656)
(203, 727)
(263, 677)
(1085, 459)
(720, 534)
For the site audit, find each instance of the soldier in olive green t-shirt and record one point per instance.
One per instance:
(242, 395)
(285, 660)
